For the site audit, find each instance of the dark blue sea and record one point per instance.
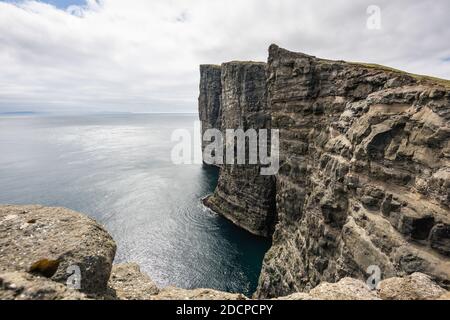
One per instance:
(118, 170)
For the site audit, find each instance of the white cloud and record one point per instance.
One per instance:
(141, 55)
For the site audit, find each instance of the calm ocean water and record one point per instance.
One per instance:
(117, 169)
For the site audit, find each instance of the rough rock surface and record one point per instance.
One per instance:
(243, 195)
(345, 289)
(417, 286)
(445, 296)
(38, 244)
(365, 173)
(196, 294)
(364, 177)
(24, 286)
(209, 98)
(129, 283)
(47, 241)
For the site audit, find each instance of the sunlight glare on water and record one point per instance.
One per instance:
(117, 169)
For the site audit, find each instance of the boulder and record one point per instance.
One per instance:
(24, 286)
(417, 286)
(345, 289)
(55, 243)
(171, 293)
(446, 296)
(127, 282)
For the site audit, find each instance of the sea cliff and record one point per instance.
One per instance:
(364, 183)
(243, 195)
(364, 175)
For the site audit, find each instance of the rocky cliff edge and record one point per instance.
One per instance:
(364, 177)
(41, 246)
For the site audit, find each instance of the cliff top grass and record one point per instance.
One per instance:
(210, 65)
(418, 77)
(238, 62)
(245, 62)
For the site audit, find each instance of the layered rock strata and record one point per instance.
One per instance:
(243, 195)
(364, 178)
(365, 173)
(209, 99)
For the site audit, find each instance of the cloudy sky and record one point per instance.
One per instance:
(143, 55)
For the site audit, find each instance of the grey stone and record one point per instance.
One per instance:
(417, 286)
(47, 241)
(129, 283)
(24, 286)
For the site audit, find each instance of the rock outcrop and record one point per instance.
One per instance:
(171, 293)
(209, 98)
(127, 282)
(24, 286)
(364, 178)
(345, 289)
(39, 244)
(54, 243)
(243, 195)
(417, 286)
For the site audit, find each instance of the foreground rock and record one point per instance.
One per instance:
(196, 294)
(345, 289)
(39, 244)
(417, 286)
(51, 242)
(59, 232)
(24, 286)
(127, 282)
(445, 296)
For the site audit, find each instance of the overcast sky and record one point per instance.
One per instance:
(143, 56)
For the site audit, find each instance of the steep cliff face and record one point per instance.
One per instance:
(209, 105)
(365, 171)
(243, 195)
